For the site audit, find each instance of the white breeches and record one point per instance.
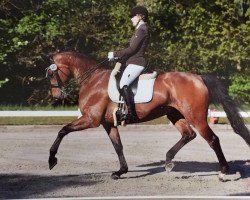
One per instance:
(130, 74)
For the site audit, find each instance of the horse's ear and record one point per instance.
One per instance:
(47, 59)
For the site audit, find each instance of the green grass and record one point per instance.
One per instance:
(35, 120)
(45, 108)
(20, 107)
(66, 120)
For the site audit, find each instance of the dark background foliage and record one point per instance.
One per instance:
(199, 36)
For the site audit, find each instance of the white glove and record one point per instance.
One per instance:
(111, 56)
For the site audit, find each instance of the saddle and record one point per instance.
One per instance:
(141, 87)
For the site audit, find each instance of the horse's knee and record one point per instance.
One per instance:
(91, 120)
(84, 122)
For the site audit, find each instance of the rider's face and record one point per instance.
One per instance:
(135, 20)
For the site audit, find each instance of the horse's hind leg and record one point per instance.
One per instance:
(186, 131)
(116, 141)
(214, 142)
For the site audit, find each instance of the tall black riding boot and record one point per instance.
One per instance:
(128, 96)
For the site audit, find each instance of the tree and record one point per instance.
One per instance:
(194, 36)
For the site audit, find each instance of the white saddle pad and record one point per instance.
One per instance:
(144, 92)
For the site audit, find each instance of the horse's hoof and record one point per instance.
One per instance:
(225, 177)
(115, 176)
(169, 166)
(52, 162)
(222, 177)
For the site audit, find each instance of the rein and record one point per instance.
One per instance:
(86, 74)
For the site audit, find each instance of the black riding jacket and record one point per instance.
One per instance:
(135, 52)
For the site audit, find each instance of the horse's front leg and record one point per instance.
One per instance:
(83, 122)
(116, 141)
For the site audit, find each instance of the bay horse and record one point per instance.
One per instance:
(182, 97)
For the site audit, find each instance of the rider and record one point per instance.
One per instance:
(134, 56)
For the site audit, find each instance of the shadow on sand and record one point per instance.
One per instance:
(238, 166)
(22, 186)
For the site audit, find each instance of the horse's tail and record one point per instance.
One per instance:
(218, 94)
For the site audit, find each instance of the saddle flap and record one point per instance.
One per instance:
(143, 88)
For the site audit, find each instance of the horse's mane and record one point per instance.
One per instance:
(78, 55)
(81, 58)
(87, 62)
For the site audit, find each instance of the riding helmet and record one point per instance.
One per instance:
(139, 10)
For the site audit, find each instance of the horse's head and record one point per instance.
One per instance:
(64, 64)
(57, 74)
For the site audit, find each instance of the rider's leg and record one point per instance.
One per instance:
(128, 96)
(129, 75)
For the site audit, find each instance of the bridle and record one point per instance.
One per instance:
(54, 69)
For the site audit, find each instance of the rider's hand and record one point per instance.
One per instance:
(111, 56)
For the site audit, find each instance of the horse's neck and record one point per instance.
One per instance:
(84, 76)
(81, 72)
(77, 73)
